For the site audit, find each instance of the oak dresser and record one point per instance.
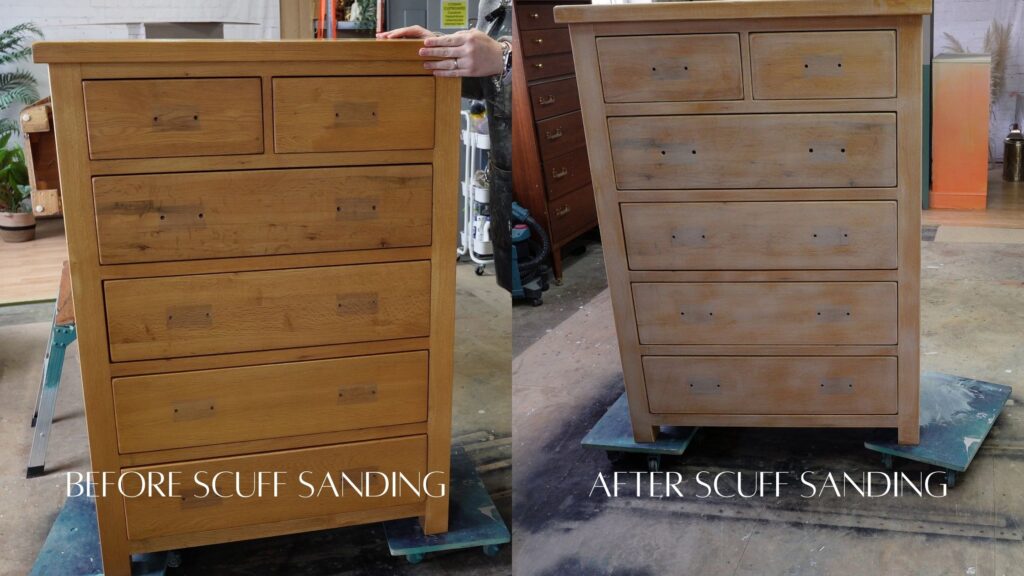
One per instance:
(756, 166)
(261, 245)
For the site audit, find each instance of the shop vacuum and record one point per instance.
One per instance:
(529, 273)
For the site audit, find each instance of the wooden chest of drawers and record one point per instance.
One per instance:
(258, 237)
(756, 167)
(551, 175)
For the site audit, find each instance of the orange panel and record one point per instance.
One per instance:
(960, 121)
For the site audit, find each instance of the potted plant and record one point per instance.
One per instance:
(17, 224)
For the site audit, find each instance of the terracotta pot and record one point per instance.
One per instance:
(17, 226)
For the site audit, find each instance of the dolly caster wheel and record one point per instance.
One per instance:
(616, 458)
(887, 461)
(174, 559)
(654, 463)
(536, 302)
(491, 550)
(950, 478)
(414, 558)
(479, 270)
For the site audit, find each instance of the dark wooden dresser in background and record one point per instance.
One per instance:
(550, 171)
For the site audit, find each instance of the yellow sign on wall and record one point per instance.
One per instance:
(454, 14)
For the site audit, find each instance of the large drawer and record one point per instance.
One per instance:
(162, 217)
(553, 98)
(805, 65)
(754, 151)
(538, 42)
(561, 134)
(548, 66)
(179, 117)
(245, 311)
(177, 410)
(319, 114)
(670, 68)
(760, 235)
(770, 385)
(766, 313)
(565, 173)
(195, 507)
(571, 214)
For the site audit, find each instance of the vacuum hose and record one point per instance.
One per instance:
(545, 245)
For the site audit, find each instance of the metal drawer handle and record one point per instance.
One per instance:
(535, 15)
(559, 174)
(553, 135)
(539, 65)
(546, 100)
(538, 40)
(563, 211)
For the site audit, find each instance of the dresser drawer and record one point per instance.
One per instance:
(540, 42)
(766, 313)
(561, 134)
(245, 311)
(197, 508)
(553, 98)
(567, 172)
(167, 118)
(770, 385)
(760, 235)
(549, 66)
(163, 217)
(754, 151)
(806, 65)
(573, 213)
(178, 410)
(671, 68)
(535, 16)
(321, 114)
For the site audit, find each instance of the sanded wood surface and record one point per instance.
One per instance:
(671, 68)
(754, 151)
(809, 65)
(180, 117)
(162, 411)
(194, 510)
(256, 213)
(65, 311)
(760, 235)
(348, 114)
(198, 51)
(766, 313)
(771, 385)
(737, 9)
(243, 311)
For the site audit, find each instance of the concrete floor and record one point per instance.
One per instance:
(566, 373)
(481, 423)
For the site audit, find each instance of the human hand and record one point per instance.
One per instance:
(465, 53)
(407, 32)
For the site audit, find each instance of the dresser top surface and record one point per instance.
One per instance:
(737, 9)
(139, 51)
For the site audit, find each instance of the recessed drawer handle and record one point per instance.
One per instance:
(553, 135)
(559, 174)
(563, 211)
(546, 100)
(539, 65)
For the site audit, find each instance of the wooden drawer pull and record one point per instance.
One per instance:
(555, 135)
(546, 100)
(560, 173)
(561, 212)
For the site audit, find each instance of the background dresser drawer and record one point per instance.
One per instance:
(766, 313)
(760, 235)
(572, 213)
(320, 114)
(807, 65)
(161, 516)
(161, 217)
(770, 385)
(566, 173)
(548, 66)
(754, 151)
(670, 68)
(560, 134)
(243, 311)
(534, 16)
(180, 117)
(553, 98)
(539, 42)
(178, 410)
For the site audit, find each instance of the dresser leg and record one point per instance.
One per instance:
(645, 434)
(117, 564)
(909, 434)
(435, 519)
(556, 264)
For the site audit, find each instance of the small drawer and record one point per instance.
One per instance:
(540, 42)
(671, 68)
(196, 506)
(179, 410)
(178, 316)
(554, 98)
(766, 313)
(566, 173)
(760, 235)
(536, 16)
(165, 217)
(754, 151)
(571, 214)
(549, 66)
(770, 385)
(346, 114)
(168, 118)
(560, 134)
(807, 65)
